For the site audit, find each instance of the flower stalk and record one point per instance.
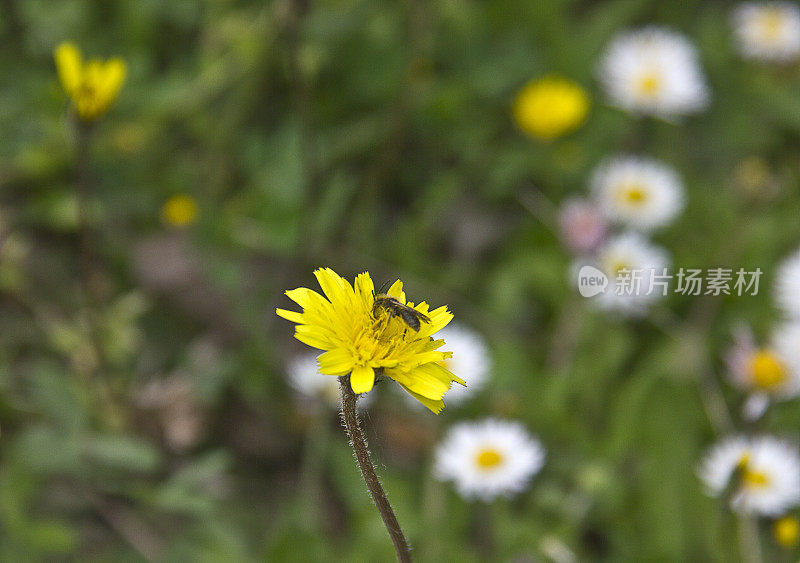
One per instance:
(359, 444)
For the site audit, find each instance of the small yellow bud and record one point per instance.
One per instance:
(550, 107)
(786, 531)
(179, 211)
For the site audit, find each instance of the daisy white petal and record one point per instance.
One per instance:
(653, 71)
(488, 459)
(640, 193)
(787, 286)
(760, 475)
(768, 31)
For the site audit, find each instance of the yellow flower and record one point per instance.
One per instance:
(786, 531)
(179, 210)
(92, 85)
(362, 342)
(550, 107)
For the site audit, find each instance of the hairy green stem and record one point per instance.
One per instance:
(359, 444)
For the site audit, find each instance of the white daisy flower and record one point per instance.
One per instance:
(633, 266)
(763, 372)
(641, 193)
(653, 71)
(787, 286)
(759, 475)
(768, 31)
(313, 387)
(488, 459)
(786, 343)
(470, 361)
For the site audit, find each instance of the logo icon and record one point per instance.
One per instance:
(591, 281)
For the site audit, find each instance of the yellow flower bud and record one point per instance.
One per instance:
(179, 211)
(550, 107)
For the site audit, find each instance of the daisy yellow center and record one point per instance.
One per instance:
(755, 479)
(766, 369)
(649, 84)
(488, 458)
(751, 479)
(616, 267)
(633, 194)
(770, 24)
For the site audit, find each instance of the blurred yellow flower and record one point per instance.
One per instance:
(179, 211)
(786, 531)
(92, 85)
(550, 107)
(363, 340)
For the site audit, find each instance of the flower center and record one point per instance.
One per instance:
(766, 369)
(633, 194)
(754, 479)
(770, 24)
(615, 266)
(488, 458)
(751, 479)
(649, 83)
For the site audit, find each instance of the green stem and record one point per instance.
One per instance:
(89, 276)
(359, 444)
(749, 545)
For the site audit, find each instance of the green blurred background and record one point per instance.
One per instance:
(361, 135)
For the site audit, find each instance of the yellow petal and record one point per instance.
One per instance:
(335, 362)
(69, 66)
(293, 316)
(419, 382)
(112, 76)
(441, 373)
(303, 296)
(333, 285)
(397, 292)
(435, 406)
(365, 289)
(439, 317)
(313, 336)
(362, 379)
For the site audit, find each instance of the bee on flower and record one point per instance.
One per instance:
(365, 335)
(488, 459)
(768, 31)
(92, 85)
(550, 107)
(759, 475)
(653, 71)
(640, 193)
